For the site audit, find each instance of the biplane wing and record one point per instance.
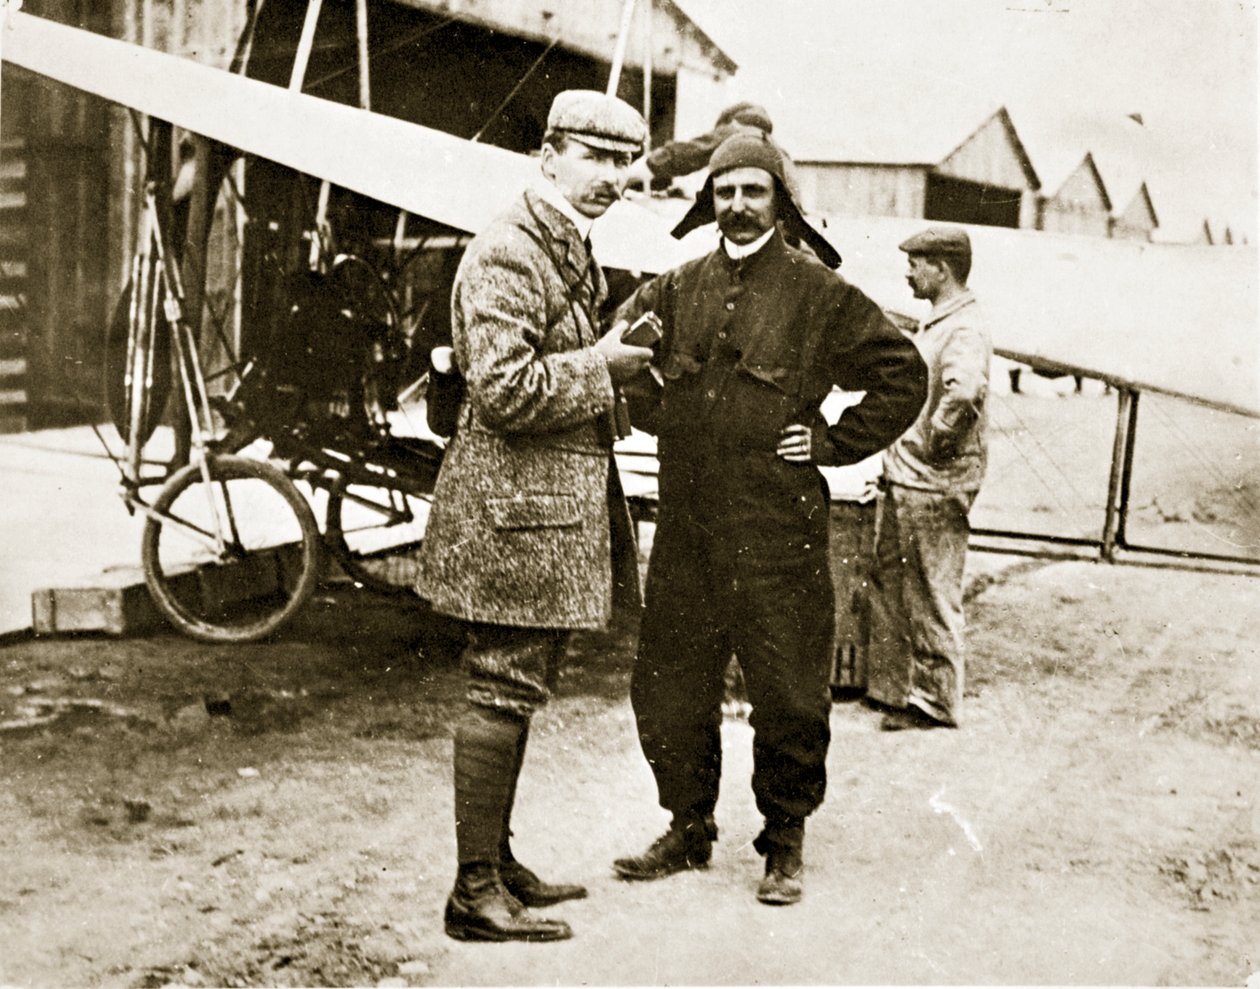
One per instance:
(424, 171)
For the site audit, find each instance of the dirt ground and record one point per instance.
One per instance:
(280, 814)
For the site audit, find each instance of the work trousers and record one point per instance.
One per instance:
(707, 598)
(915, 653)
(510, 669)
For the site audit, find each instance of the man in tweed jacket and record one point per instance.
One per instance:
(529, 535)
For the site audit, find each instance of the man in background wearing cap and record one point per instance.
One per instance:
(931, 477)
(755, 335)
(674, 159)
(529, 535)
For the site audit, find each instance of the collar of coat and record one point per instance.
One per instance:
(562, 238)
(545, 190)
(774, 247)
(948, 309)
(739, 252)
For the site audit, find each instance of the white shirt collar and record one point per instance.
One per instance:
(737, 252)
(552, 196)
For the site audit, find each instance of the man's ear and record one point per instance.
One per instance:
(548, 164)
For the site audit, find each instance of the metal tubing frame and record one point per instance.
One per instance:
(1121, 472)
(1114, 546)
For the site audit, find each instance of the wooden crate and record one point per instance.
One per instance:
(116, 602)
(852, 543)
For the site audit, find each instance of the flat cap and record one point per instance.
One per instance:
(597, 120)
(939, 241)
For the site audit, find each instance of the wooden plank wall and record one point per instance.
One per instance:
(68, 233)
(839, 189)
(70, 193)
(1079, 206)
(13, 288)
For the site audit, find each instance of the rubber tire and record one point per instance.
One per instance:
(377, 574)
(310, 557)
(118, 396)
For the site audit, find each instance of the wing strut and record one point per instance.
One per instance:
(619, 53)
(305, 43)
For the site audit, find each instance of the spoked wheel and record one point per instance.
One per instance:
(269, 561)
(366, 299)
(137, 365)
(375, 534)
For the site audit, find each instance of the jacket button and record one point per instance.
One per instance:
(711, 393)
(730, 307)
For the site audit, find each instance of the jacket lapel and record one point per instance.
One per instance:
(574, 264)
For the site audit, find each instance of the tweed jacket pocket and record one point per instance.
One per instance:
(534, 511)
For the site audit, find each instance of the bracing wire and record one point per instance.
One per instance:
(1082, 500)
(1196, 454)
(515, 89)
(389, 49)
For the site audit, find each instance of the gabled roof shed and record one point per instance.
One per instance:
(936, 171)
(1079, 204)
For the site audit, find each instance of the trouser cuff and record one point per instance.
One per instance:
(780, 834)
(693, 823)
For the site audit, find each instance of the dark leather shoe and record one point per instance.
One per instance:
(782, 884)
(485, 911)
(522, 883)
(674, 851)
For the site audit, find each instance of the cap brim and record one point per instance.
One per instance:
(605, 143)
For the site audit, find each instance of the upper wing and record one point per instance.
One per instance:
(424, 171)
(1181, 320)
(1171, 318)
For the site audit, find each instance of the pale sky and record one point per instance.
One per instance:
(1069, 71)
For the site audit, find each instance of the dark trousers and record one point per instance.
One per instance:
(705, 602)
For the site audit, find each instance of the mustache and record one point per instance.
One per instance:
(739, 222)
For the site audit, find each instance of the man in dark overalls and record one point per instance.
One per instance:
(756, 335)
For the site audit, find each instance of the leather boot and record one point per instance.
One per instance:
(782, 884)
(519, 880)
(688, 844)
(485, 764)
(481, 909)
(525, 885)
